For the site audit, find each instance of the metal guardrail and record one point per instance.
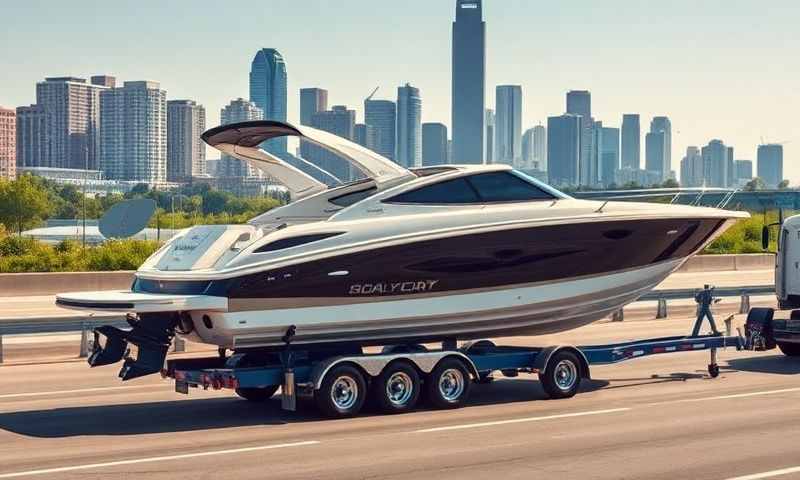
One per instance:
(85, 325)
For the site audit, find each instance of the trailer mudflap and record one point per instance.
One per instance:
(151, 338)
(759, 332)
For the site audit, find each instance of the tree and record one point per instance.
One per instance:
(670, 183)
(23, 202)
(783, 185)
(755, 184)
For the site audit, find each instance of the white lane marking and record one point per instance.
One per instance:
(82, 390)
(521, 420)
(726, 397)
(154, 459)
(773, 473)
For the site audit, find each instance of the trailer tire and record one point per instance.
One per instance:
(397, 388)
(790, 349)
(562, 375)
(448, 384)
(257, 394)
(342, 392)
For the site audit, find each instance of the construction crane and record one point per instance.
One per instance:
(371, 94)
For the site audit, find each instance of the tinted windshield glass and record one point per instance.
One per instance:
(451, 191)
(506, 187)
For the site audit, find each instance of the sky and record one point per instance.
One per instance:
(726, 69)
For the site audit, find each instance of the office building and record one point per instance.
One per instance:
(381, 116)
(579, 103)
(365, 135)
(527, 149)
(692, 170)
(715, 164)
(658, 147)
(409, 127)
(540, 148)
(468, 82)
(743, 172)
(341, 121)
(312, 100)
(186, 152)
(31, 136)
(564, 150)
(239, 110)
(508, 125)
(8, 143)
(434, 144)
(133, 131)
(769, 164)
(268, 92)
(606, 141)
(631, 142)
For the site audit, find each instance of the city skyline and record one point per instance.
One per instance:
(709, 106)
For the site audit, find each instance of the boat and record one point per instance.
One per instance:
(400, 256)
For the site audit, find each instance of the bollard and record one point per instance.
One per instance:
(618, 316)
(179, 345)
(84, 351)
(661, 312)
(744, 305)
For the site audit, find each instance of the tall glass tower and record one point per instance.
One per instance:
(469, 82)
(268, 92)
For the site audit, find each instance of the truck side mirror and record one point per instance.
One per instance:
(765, 237)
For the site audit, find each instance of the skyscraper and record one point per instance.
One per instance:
(186, 152)
(8, 143)
(658, 147)
(71, 108)
(312, 100)
(715, 164)
(31, 136)
(268, 92)
(508, 125)
(434, 144)
(579, 102)
(527, 149)
(133, 128)
(239, 110)
(692, 170)
(769, 163)
(381, 115)
(731, 172)
(409, 126)
(468, 82)
(631, 141)
(340, 121)
(564, 149)
(540, 148)
(606, 143)
(365, 135)
(743, 172)
(490, 129)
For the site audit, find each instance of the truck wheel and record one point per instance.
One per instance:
(790, 349)
(562, 376)
(342, 392)
(257, 394)
(397, 388)
(448, 385)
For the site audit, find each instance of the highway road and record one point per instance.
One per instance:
(657, 417)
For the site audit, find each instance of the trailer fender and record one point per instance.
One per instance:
(373, 365)
(543, 357)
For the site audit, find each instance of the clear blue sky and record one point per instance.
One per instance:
(724, 69)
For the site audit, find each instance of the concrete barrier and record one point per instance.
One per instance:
(716, 263)
(25, 284)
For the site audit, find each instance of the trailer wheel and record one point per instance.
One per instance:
(342, 392)
(397, 388)
(257, 394)
(790, 349)
(448, 385)
(562, 375)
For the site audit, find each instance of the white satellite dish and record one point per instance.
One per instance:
(126, 219)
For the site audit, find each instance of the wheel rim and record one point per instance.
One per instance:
(399, 388)
(344, 393)
(565, 375)
(451, 384)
